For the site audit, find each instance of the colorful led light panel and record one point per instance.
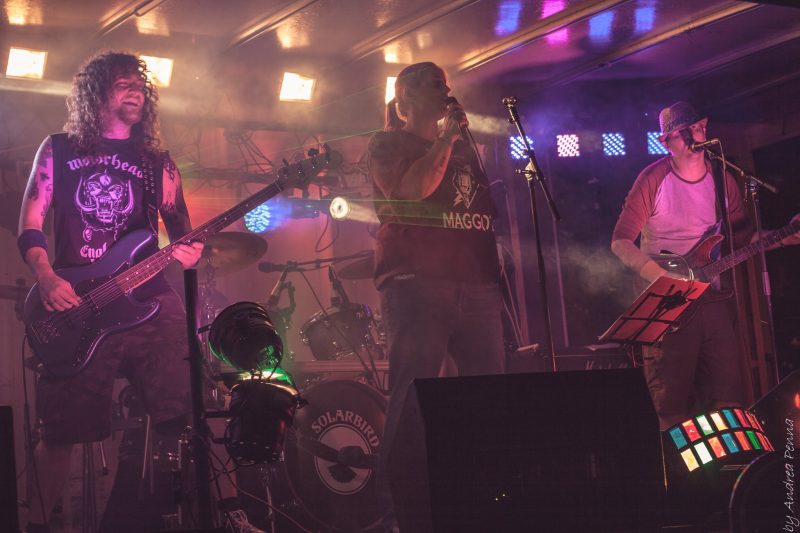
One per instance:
(702, 451)
(729, 416)
(568, 145)
(741, 417)
(716, 447)
(677, 437)
(691, 430)
(613, 144)
(715, 416)
(704, 425)
(754, 440)
(730, 442)
(754, 421)
(654, 146)
(764, 442)
(742, 438)
(690, 459)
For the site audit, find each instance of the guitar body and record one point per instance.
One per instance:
(65, 342)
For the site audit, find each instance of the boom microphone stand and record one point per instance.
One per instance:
(752, 186)
(532, 173)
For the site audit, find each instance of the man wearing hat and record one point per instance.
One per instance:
(672, 206)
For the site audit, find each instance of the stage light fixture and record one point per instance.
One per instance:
(296, 88)
(160, 69)
(508, 14)
(517, 147)
(262, 408)
(613, 144)
(645, 18)
(389, 88)
(710, 436)
(600, 26)
(26, 63)
(568, 145)
(258, 220)
(654, 146)
(339, 208)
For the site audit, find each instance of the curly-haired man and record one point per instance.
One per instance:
(94, 177)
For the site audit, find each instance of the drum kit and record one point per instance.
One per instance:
(327, 473)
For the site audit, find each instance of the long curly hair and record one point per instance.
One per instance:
(89, 96)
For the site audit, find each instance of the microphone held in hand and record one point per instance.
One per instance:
(461, 116)
(696, 147)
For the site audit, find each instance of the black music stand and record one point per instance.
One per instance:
(656, 309)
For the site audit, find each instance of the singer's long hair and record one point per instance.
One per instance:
(409, 77)
(89, 95)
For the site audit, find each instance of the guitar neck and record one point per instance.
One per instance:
(143, 271)
(742, 254)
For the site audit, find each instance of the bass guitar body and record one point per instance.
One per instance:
(65, 341)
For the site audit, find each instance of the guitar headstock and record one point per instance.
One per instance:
(302, 173)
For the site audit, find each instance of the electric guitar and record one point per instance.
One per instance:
(697, 263)
(65, 341)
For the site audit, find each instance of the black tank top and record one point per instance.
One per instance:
(98, 199)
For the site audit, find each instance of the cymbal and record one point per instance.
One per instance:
(359, 269)
(13, 292)
(232, 251)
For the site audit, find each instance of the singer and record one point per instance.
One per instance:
(672, 206)
(436, 262)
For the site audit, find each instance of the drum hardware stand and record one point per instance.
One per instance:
(533, 173)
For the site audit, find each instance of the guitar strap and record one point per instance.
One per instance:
(722, 204)
(150, 194)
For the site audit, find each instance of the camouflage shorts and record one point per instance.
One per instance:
(153, 357)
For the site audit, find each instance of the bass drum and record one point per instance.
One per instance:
(342, 423)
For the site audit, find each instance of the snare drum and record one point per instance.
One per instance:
(331, 452)
(338, 332)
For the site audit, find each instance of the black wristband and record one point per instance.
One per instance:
(31, 238)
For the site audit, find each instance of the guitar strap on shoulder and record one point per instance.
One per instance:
(718, 172)
(150, 194)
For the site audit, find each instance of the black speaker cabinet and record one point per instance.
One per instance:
(564, 451)
(8, 476)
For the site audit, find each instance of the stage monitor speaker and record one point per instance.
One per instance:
(8, 472)
(561, 451)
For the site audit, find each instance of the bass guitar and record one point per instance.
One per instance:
(65, 341)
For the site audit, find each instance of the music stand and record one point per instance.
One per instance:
(656, 309)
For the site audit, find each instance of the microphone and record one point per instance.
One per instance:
(451, 100)
(278, 267)
(508, 101)
(697, 146)
(275, 294)
(337, 288)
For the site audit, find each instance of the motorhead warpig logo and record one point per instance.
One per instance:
(105, 201)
